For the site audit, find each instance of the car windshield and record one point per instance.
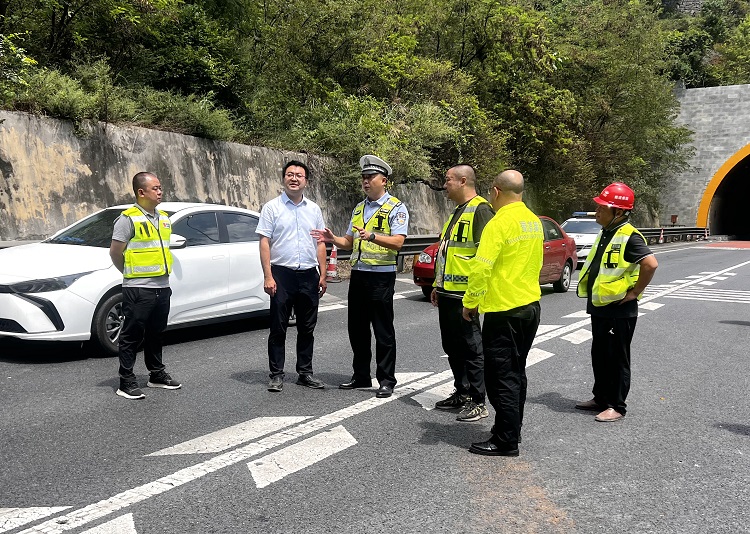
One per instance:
(96, 231)
(581, 227)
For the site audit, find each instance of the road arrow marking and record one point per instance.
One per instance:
(537, 355)
(92, 512)
(280, 464)
(578, 337)
(122, 525)
(229, 437)
(428, 398)
(12, 518)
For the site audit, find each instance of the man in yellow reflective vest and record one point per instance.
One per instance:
(462, 340)
(504, 285)
(140, 250)
(376, 233)
(615, 274)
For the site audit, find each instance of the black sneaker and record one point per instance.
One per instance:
(276, 383)
(473, 412)
(455, 401)
(161, 379)
(130, 390)
(310, 382)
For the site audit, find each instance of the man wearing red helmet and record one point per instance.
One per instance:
(615, 274)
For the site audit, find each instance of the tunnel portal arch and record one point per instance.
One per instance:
(724, 206)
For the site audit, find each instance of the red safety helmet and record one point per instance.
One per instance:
(616, 195)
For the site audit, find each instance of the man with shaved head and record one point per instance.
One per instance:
(140, 251)
(504, 285)
(462, 339)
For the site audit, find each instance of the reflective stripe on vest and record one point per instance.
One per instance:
(461, 248)
(147, 253)
(616, 276)
(365, 251)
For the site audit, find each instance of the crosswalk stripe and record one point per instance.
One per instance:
(429, 397)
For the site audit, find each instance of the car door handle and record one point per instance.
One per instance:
(563, 245)
(547, 247)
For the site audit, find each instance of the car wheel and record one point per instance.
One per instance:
(427, 291)
(562, 285)
(107, 324)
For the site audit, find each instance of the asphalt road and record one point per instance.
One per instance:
(233, 457)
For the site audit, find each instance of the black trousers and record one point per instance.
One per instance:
(462, 342)
(371, 303)
(507, 339)
(145, 312)
(610, 360)
(301, 290)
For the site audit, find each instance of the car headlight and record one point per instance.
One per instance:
(44, 285)
(425, 258)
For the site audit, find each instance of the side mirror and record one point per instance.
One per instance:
(177, 241)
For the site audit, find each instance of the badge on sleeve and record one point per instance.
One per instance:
(400, 218)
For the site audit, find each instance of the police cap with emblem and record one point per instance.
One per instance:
(374, 165)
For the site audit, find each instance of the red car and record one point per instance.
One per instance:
(557, 269)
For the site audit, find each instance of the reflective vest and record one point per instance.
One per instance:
(616, 276)
(460, 247)
(147, 253)
(365, 251)
(505, 271)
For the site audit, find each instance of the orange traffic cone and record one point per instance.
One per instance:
(332, 274)
(661, 237)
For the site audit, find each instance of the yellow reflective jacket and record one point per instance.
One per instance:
(616, 276)
(147, 254)
(365, 251)
(505, 271)
(460, 248)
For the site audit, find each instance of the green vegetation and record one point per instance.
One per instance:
(575, 93)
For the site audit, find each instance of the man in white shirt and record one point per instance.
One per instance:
(294, 270)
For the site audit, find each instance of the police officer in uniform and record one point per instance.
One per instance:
(613, 278)
(504, 285)
(376, 233)
(140, 250)
(462, 340)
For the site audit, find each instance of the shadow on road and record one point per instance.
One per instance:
(50, 352)
(738, 323)
(742, 430)
(555, 402)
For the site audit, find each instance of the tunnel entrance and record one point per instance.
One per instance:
(730, 206)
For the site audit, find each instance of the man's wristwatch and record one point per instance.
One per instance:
(371, 237)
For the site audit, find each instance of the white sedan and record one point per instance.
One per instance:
(66, 289)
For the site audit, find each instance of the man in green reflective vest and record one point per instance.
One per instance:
(615, 274)
(376, 233)
(140, 250)
(504, 285)
(462, 340)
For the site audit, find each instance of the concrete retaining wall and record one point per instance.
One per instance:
(50, 176)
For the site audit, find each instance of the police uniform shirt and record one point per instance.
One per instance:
(635, 250)
(482, 216)
(398, 219)
(123, 231)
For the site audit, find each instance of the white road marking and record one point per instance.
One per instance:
(707, 272)
(331, 307)
(696, 276)
(575, 315)
(405, 378)
(280, 464)
(578, 337)
(122, 525)
(428, 398)
(651, 306)
(544, 328)
(730, 274)
(229, 437)
(707, 283)
(720, 278)
(536, 356)
(12, 518)
(399, 296)
(680, 281)
(81, 516)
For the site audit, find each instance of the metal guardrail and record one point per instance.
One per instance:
(668, 234)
